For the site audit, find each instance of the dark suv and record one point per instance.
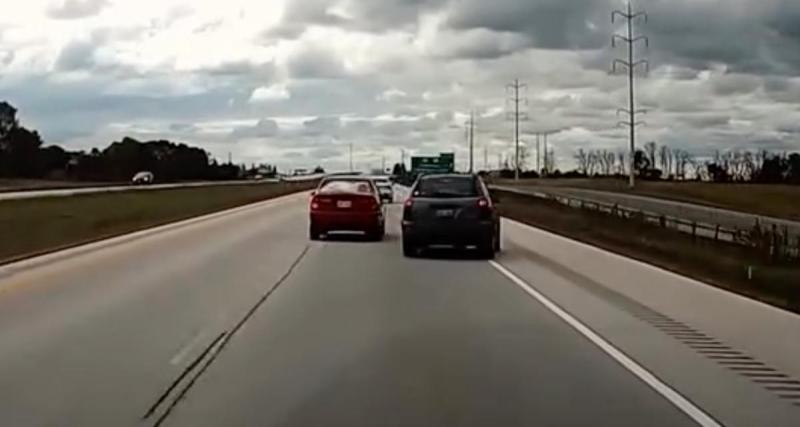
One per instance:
(450, 210)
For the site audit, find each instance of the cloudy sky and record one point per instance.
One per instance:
(295, 82)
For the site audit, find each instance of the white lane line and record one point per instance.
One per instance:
(184, 351)
(682, 403)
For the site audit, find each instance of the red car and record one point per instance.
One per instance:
(346, 204)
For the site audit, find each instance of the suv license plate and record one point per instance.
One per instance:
(445, 213)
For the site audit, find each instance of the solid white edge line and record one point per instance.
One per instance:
(686, 406)
(650, 267)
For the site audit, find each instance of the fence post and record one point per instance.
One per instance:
(716, 233)
(694, 229)
(662, 220)
(775, 243)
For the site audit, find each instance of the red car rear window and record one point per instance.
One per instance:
(352, 187)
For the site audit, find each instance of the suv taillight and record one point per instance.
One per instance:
(314, 203)
(485, 207)
(408, 206)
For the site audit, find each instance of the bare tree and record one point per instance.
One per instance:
(582, 157)
(682, 159)
(523, 157)
(610, 161)
(593, 162)
(621, 163)
(666, 160)
(550, 163)
(650, 150)
(602, 160)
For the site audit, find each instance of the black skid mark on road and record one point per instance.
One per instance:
(152, 410)
(706, 345)
(213, 351)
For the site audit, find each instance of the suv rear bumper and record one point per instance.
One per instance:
(456, 233)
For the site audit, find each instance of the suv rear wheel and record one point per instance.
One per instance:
(488, 249)
(409, 248)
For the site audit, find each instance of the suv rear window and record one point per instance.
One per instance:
(346, 186)
(447, 186)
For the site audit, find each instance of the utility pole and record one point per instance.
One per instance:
(351, 157)
(471, 137)
(403, 156)
(512, 89)
(383, 164)
(631, 64)
(538, 154)
(230, 158)
(486, 158)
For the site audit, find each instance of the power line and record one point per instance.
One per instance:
(631, 66)
(512, 89)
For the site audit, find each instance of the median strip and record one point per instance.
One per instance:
(32, 227)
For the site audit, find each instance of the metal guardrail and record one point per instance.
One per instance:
(776, 242)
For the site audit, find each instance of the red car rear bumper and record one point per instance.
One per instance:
(347, 221)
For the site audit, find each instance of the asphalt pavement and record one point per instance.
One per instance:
(236, 319)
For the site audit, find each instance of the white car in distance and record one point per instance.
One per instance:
(143, 178)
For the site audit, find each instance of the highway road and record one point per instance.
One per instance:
(236, 319)
(67, 192)
(687, 211)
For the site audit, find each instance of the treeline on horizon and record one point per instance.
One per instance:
(24, 155)
(654, 162)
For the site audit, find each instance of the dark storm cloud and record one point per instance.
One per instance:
(264, 128)
(746, 35)
(263, 71)
(182, 127)
(322, 126)
(364, 15)
(76, 55)
(703, 121)
(76, 9)
(324, 153)
(731, 84)
(550, 24)
(478, 43)
(293, 155)
(315, 62)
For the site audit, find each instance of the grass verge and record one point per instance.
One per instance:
(776, 200)
(718, 263)
(30, 227)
